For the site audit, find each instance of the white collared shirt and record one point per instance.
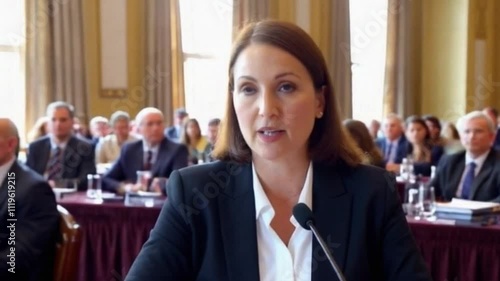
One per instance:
(479, 164)
(154, 149)
(4, 169)
(54, 145)
(277, 261)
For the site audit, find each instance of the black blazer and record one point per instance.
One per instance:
(207, 228)
(401, 153)
(424, 168)
(486, 185)
(79, 159)
(36, 227)
(496, 143)
(171, 156)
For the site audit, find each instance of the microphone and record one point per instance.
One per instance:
(305, 218)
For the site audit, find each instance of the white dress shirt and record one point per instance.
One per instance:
(479, 164)
(4, 169)
(277, 261)
(153, 149)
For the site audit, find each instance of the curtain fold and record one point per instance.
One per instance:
(164, 70)
(245, 11)
(55, 68)
(402, 58)
(333, 37)
(340, 61)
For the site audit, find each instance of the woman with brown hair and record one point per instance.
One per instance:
(360, 134)
(195, 142)
(421, 148)
(281, 143)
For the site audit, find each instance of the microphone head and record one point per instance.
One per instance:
(303, 215)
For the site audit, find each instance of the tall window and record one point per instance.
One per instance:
(206, 42)
(368, 51)
(12, 92)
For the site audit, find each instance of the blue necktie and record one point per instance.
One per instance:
(468, 180)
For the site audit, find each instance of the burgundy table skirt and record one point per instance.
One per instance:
(112, 235)
(457, 252)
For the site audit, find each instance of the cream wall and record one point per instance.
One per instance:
(444, 58)
(104, 101)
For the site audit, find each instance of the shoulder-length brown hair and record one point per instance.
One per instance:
(360, 134)
(328, 142)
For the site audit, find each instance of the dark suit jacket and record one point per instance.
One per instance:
(207, 228)
(171, 156)
(36, 227)
(486, 185)
(424, 168)
(171, 134)
(402, 151)
(79, 159)
(496, 144)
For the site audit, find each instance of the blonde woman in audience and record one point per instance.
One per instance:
(420, 147)
(108, 149)
(40, 129)
(360, 134)
(452, 139)
(192, 138)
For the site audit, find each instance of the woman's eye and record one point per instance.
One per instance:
(247, 90)
(286, 88)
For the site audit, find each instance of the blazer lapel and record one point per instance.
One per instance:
(332, 210)
(44, 157)
(483, 175)
(456, 177)
(238, 226)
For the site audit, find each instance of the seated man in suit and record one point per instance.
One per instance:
(493, 114)
(174, 133)
(154, 152)
(212, 134)
(62, 155)
(26, 197)
(475, 173)
(393, 145)
(99, 128)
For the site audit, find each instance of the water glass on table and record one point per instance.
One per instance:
(94, 187)
(427, 202)
(143, 178)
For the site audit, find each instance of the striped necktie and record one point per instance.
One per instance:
(148, 165)
(55, 167)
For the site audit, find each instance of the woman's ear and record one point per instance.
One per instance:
(320, 102)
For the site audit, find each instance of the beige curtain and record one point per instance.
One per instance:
(55, 68)
(245, 11)
(340, 61)
(164, 81)
(402, 58)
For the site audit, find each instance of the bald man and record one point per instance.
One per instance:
(154, 152)
(27, 244)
